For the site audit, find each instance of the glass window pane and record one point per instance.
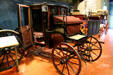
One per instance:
(24, 16)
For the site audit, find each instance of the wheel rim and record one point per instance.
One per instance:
(7, 55)
(91, 50)
(65, 60)
(8, 58)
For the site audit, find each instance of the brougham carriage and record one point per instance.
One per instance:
(50, 25)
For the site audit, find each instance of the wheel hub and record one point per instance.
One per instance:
(88, 49)
(63, 61)
(6, 51)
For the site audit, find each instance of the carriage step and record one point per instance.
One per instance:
(101, 42)
(40, 52)
(45, 55)
(42, 45)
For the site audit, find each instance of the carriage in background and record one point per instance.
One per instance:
(48, 25)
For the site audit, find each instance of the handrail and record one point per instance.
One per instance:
(8, 30)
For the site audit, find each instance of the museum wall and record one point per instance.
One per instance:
(92, 5)
(8, 12)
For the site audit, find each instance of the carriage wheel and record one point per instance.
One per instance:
(91, 50)
(66, 60)
(7, 55)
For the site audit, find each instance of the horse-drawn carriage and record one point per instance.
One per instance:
(48, 25)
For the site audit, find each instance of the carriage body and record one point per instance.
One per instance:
(37, 19)
(48, 24)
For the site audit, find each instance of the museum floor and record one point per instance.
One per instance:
(37, 65)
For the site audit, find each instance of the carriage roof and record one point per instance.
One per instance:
(51, 4)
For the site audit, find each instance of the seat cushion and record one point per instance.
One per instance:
(8, 41)
(77, 37)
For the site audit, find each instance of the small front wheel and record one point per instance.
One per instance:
(91, 49)
(8, 54)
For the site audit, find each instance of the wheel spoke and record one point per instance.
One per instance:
(2, 60)
(95, 45)
(82, 48)
(94, 42)
(90, 41)
(91, 57)
(62, 50)
(67, 69)
(12, 58)
(95, 49)
(73, 63)
(7, 60)
(58, 54)
(73, 57)
(19, 55)
(84, 56)
(67, 54)
(58, 64)
(94, 53)
(0, 55)
(13, 53)
(12, 50)
(63, 68)
(87, 54)
(72, 68)
(86, 44)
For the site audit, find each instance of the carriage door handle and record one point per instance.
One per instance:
(27, 27)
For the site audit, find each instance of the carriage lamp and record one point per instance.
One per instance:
(44, 7)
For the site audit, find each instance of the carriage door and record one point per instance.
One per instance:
(25, 25)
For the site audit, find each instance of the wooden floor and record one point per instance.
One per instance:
(37, 65)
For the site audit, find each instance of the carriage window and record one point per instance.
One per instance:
(69, 1)
(24, 16)
(62, 11)
(54, 11)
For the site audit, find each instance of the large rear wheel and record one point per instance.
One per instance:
(66, 59)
